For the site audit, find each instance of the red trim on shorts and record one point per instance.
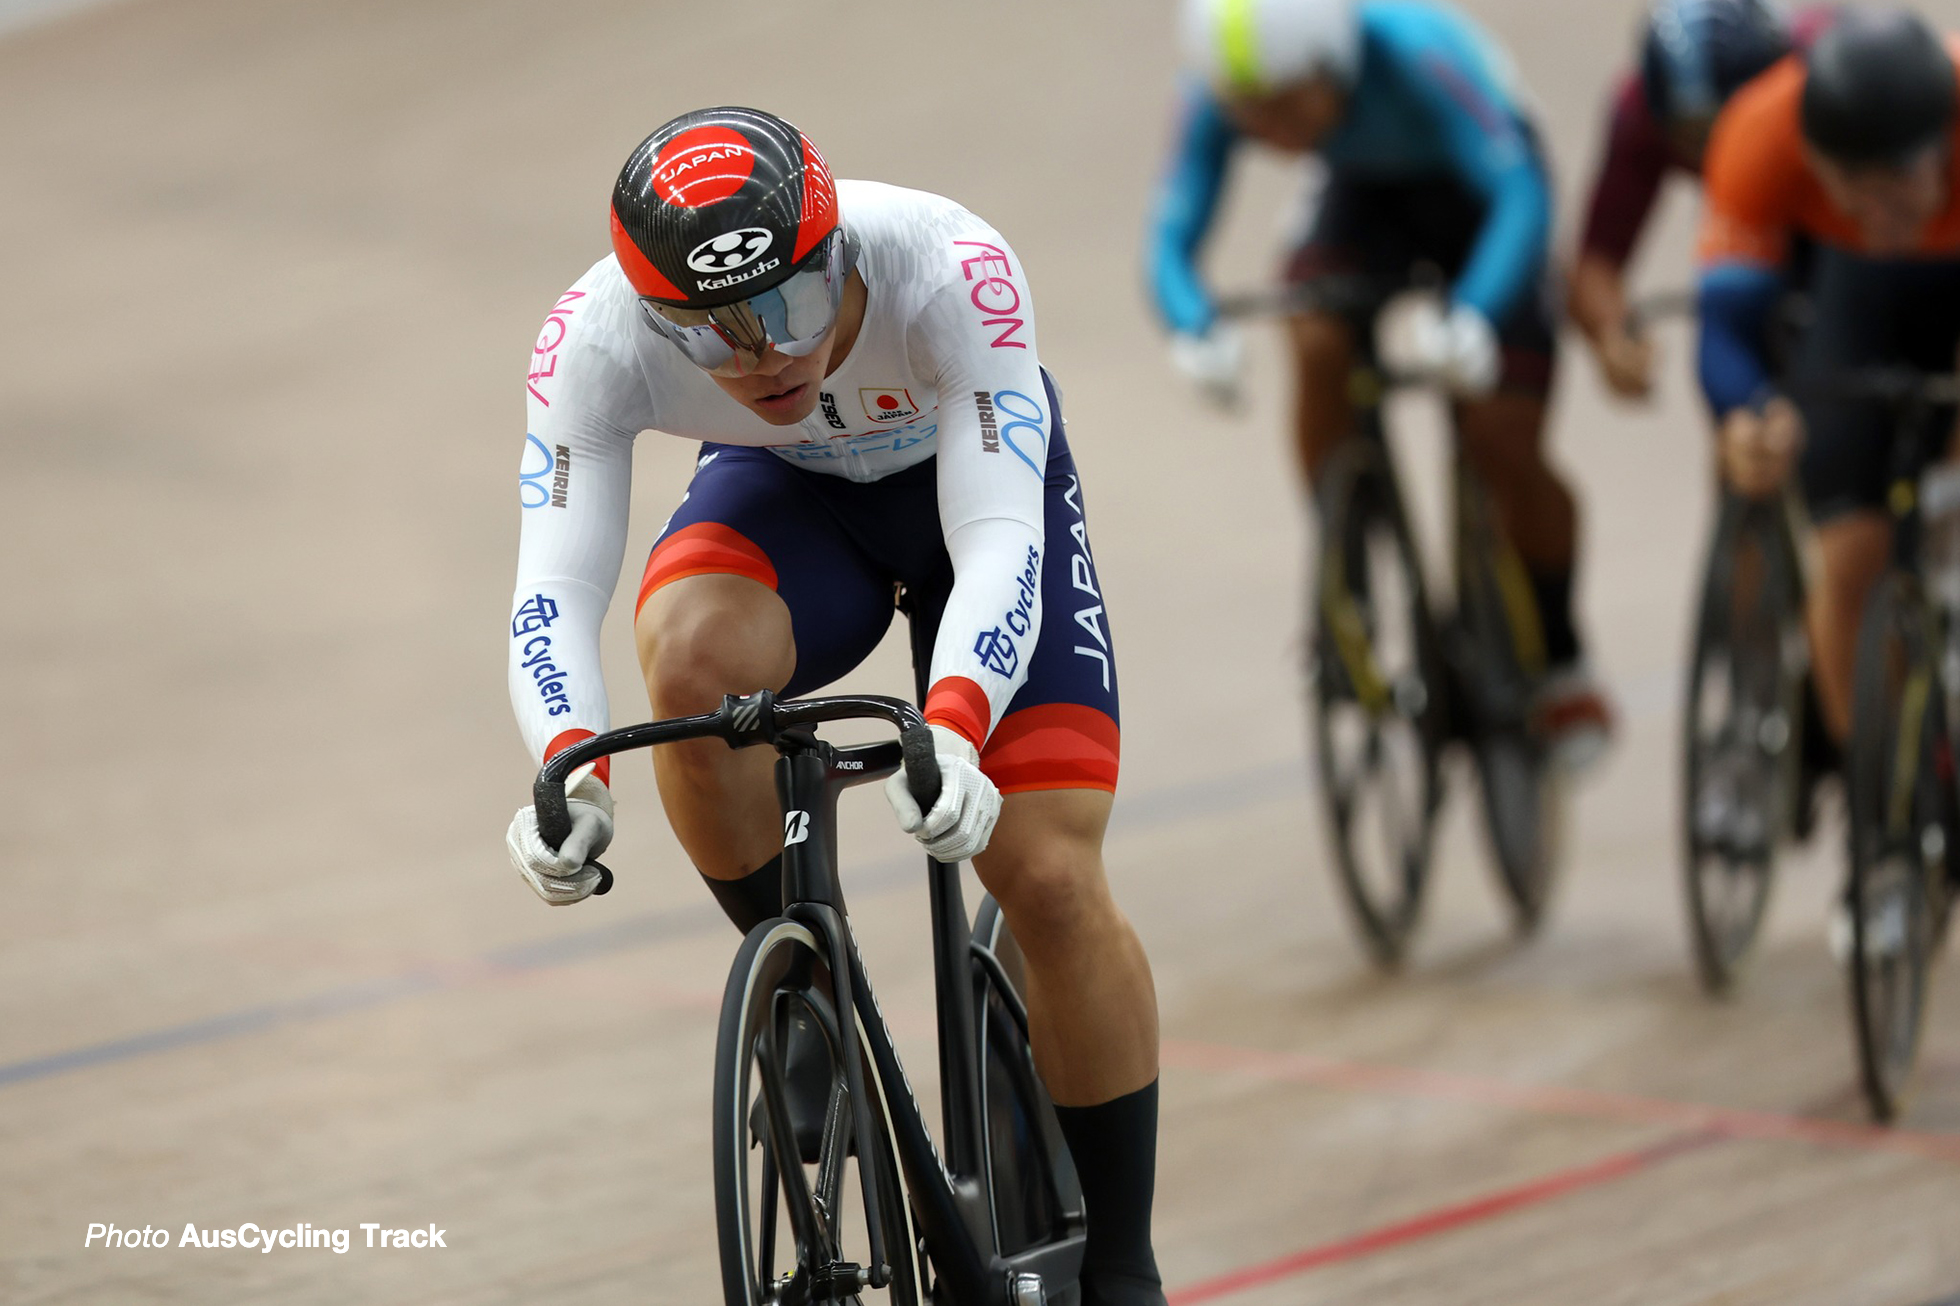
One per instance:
(1054, 746)
(960, 705)
(603, 768)
(705, 548)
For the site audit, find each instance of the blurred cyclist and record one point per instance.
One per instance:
(859, 364)
(1852, 149)
(1430, 158)
(1694, 54)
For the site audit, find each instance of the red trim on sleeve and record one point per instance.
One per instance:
(705, 548)
(1054, 746)
(961, 706)
(564, 741)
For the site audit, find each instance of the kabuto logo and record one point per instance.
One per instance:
(701, 166)
(888, 405)
(737, 278)
(731, 250)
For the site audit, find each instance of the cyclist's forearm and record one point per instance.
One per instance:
(1510, 253)
(1186, 202)
(571, 544)
(991, 623)
(1598, 301)
(1736, 301)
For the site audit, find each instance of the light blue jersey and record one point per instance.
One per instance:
(1435, 98)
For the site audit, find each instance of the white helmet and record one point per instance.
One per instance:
(1256, 46)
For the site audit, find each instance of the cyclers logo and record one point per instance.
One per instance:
(737, 278)
(1020, 617)
(996, 651)
(731, 250)
(532, 490)
(532, 617)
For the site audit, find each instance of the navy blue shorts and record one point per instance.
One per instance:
(835, 551)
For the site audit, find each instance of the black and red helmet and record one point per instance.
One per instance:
(719, 205)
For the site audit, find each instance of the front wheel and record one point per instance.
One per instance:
(1035, 1196)
(1742, 733)
(1499, 660)
(1378, 718)
(789, 1208)
(1901, 778)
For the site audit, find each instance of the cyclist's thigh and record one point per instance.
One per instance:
(1866, 312)
(1060, 731)
(747, 513)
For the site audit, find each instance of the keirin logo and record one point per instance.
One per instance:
(731, 250)
(796, 827)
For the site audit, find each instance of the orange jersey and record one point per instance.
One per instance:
(1761, 189)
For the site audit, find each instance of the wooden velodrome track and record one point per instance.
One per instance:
(273, 271)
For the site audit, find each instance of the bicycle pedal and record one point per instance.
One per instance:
(1026, 1290)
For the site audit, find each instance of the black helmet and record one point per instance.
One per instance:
(718, 205)
(1880, 88)
(725, 222)
(1695, 54)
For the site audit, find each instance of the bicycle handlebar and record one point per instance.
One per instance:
(1898, 386)
(741, 723)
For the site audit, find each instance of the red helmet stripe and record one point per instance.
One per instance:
(819, 217)
(646, 278)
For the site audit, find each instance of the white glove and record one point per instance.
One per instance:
(1214, 361)
(1457, 347)
(562, 877)
(960, 823)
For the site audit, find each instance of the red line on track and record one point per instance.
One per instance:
(1444, 1219)
(1298, 1068)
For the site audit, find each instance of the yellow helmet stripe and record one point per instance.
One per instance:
(1239, 43)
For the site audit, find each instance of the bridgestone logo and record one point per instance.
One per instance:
(989, 429)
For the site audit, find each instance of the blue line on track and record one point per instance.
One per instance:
(1207, 796)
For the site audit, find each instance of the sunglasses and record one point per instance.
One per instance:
(790, 318)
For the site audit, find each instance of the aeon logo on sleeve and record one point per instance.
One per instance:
(731, 250)
(888, 405)
(993, 292)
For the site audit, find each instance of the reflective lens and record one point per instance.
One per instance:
(791, 318)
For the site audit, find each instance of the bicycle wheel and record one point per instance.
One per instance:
(1378, 698)
(786, 1236)
(1900, 828)
(1500, 662)
(1741, 733)
(1035, 1194)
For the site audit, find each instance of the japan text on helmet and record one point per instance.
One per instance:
(1697, 53)
(725, 222)
(1254, 47)
(1879, 88)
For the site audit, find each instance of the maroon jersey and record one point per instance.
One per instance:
(1639, 156)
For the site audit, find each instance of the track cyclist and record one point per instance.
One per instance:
(858, 362)
(1694, 55)
(1430, 158)
(1853, 150)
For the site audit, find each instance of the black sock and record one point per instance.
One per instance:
(753, 899)
(1553, 591)
(1115, 1151)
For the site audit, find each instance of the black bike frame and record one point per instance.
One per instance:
(951, 1202)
